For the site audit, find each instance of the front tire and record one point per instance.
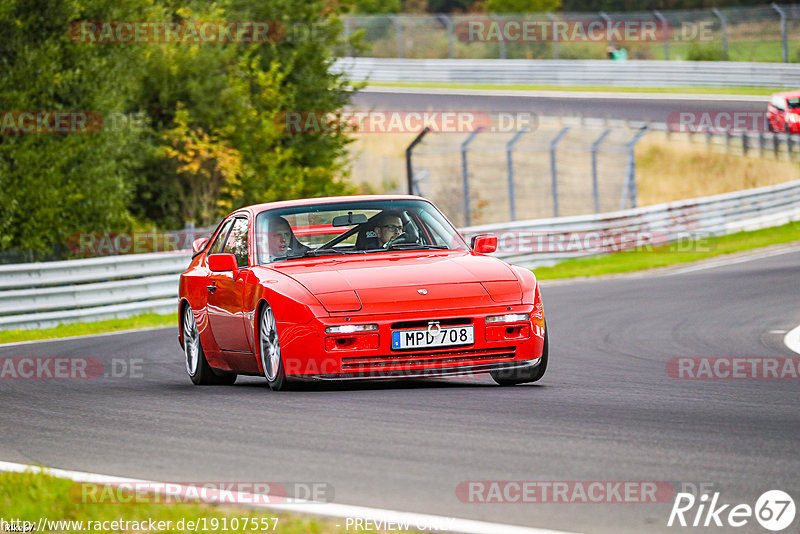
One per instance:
(197, 366)
(270, 349)
(512, 377)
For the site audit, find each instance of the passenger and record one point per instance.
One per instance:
(281, 239)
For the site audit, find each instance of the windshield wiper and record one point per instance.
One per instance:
(311, 253)
(414, 246)
(314, 252)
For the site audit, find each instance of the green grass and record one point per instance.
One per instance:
(757, 91)
(147, 320)
(31, 496)
(757, 50)
(673, 254)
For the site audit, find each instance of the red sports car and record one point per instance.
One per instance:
(783, 112)
(361, 287)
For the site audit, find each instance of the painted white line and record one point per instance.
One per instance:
(777, 331)
(583, 95)
(423, 521)
(792, 339)
(102, 334)
(731, 261)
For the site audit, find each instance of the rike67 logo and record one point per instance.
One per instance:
(774, 510)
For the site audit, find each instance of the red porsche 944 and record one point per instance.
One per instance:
(363, 287)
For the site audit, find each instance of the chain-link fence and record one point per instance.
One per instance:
(555, 167)
(761, 33)
(550, 171)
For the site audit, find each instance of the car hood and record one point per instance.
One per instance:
(403, 281)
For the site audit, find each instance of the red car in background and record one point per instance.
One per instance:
(783, 112)
(362, 287)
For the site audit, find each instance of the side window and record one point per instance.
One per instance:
(236, 243)
(216, 246)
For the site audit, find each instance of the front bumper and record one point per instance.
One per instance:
(426, 373)
(310, 354)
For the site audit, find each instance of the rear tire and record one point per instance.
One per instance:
(512, 377)
(197, 366)
(269, 348)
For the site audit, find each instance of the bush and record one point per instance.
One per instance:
(705, 52)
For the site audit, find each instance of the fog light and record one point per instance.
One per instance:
(351, 328)
(508, 318)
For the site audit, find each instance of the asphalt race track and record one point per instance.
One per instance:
(605, 411)
(647, 107)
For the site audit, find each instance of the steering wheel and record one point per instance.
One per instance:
(402, 238)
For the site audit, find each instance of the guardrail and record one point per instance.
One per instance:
(548, 241)
(571, 72)
(39, 295)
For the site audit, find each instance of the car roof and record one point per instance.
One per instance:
(257, 208)
(788, 94)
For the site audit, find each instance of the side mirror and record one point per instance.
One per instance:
(484, 244)
(199, 244)
(223, 263)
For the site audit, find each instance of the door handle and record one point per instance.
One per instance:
(212, 287)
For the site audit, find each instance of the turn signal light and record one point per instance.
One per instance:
(351, 328)
(508, 318)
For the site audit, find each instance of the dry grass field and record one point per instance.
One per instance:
(674, 170)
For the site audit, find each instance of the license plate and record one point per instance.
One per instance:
(446, 337)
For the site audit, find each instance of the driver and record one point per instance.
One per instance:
(281, 239)
(388, 226)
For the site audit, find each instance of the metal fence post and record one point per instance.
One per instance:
(409, 167)
(552, 19)
(348, 50)
(509, 161)
(724, 30)
(782, 15)
(554, 170)
(450, 33)
(465, 175)
(630, 190)
(501, 42)
(398, 28)
(595, 189)
(608, 22)
(664, 33)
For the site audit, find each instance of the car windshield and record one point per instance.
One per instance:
(355, 227)
(793, 103)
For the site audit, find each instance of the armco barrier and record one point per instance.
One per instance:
(41, 295)
(547, 241)
(37, 295)
(572, 72)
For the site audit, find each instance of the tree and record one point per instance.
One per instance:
(209, 171)
(53, 185)
(236, 92)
